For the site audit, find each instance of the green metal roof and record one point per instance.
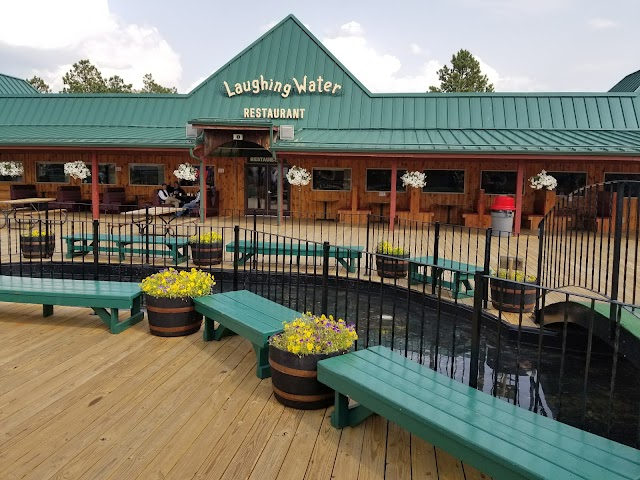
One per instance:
(15, 86)
(466, 141)
(630, 83)
(349, 118)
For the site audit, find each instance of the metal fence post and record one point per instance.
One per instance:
(236, 252)
(479, 281)
(96, 249)
(325, 278)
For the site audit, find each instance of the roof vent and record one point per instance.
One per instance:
(191, 131)
(286, 132)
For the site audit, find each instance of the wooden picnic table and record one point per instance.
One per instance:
(30, 208)
(145, 217)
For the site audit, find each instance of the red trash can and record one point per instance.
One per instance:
(502, 216)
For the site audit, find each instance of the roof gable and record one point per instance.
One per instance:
(287, 68)
(630, 83)
(15, 86)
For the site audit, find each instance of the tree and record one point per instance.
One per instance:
(116, 84)
(464, 75)
(39, 84)
(150, 86)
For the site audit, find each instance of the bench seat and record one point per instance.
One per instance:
(461, 273)
(249, 315)
(348, 256)
(494, 436)
(105, 298)
(82, 243)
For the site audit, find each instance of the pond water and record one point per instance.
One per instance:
(551, 386)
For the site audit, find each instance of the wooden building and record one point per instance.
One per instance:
(286, 100)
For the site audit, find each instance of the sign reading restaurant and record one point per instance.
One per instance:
(261, 84)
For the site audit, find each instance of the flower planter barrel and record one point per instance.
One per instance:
(511, 297)
(172, 317)
(392, 267)
(206, 253)
(38, 247)
(295, 380)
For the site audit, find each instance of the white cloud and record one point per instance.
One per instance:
(86, 29)
(601, 24)
(384, 73)
(267, 26)
(379, 72)
(352, 28)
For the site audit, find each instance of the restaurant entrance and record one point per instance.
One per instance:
(261, 189)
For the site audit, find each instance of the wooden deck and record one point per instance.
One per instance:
(78, 402)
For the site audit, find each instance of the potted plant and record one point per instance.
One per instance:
(508, 296)
(545, 197)
(206, 248)
(391, 261)
(169, 298)
(294, 355)
(38, 243)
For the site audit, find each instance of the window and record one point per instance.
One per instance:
(106, 174)
(50, 173)
(331, 179)
(569, 181)
(144, 174)
(495, 182)
(444, 181)
(633, 188)
(379, 180)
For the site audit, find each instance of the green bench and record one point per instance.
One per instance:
(460, 274)
(105, 298)
(347, 256)
(496, 437)
(82, 243)
(249, 315)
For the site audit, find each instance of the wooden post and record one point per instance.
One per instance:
(392, 205)
(414, 201)
(519, 184)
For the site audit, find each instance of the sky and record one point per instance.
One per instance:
(522, 45)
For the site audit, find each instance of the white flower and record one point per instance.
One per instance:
(298, 176)
(414, 179)
(11, 169)
(77, 169)
(543, 180)
(186, 171)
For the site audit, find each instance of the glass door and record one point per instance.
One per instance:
(261, 190)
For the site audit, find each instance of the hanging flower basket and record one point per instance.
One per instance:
(543, 180)
(11, 169)
(414, 179)
(186, 171)
(77, 169)
(298, 176)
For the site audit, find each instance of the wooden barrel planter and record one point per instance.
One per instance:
(38, 247)
(172, 317)
(511, 297)
(295, 380)
(392, 266)
(206, 253)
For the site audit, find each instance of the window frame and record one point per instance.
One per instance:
(399, 187)
(161, 177)
(350, 170)
(66, 182)
(504, 171)
(464, 185)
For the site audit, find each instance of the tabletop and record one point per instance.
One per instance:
(153, 211)
(27, 201)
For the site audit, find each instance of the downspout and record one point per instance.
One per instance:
(203, 175)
